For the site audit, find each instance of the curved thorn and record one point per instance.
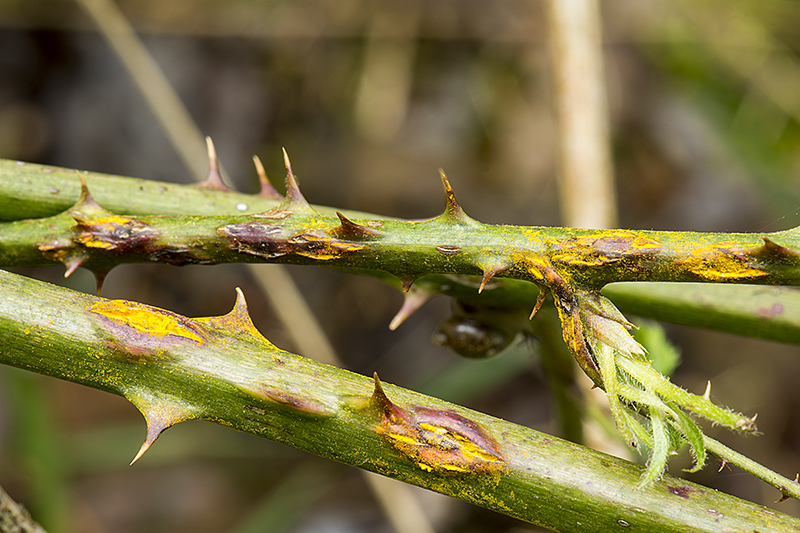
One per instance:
(350, 230)
(378, 397)
(86, 203)
(707, 393)
(237, 319)
(412, 301)
(267, 190)
(100, 279)
(773, 249)
(452, 209)
(158, 418)
(213, 179)
(145, 446)
(538, 305)
(293, 194)
(407, 283)
(380, 401)
(489, 273)
(153, 432)
(72, 264)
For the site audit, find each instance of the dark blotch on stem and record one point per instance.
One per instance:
(448, 249)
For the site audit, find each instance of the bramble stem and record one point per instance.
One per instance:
(220, 369)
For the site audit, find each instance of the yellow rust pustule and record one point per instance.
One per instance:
(549, 279)
(100, 229)
(97, 230)
(143, 333)
(724, 261)
(113, 233)
(602, 248)
(436, 440)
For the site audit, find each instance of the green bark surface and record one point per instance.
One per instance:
(29, 191)
(220, 369)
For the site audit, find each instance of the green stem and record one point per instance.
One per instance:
(33, 191)
(453, 243)
(220, 369)
(787, 487)
(771, 313)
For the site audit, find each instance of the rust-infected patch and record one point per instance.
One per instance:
(113, 233)
(438, 440)
(723, 261)
(97, 229)
(546, 276)
(536, 265)
(303, 403)
(448, 249)
(322, 248)
(774, 310)
(143, 332)
(683, 491)
(266, 240)
(260, 239)
(602, 248)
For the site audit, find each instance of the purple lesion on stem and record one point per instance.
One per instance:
(269, 241)
(260, 239)
(296, 400)
(141, 333)
(439, 440)
(602, 248)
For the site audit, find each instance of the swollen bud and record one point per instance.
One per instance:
(471, 338)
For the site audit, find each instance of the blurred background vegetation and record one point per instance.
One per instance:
(370, 99)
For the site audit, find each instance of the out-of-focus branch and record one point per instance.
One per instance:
(586, 175)
(165, 103)
(14, 518)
